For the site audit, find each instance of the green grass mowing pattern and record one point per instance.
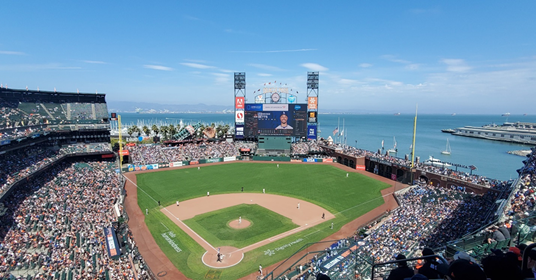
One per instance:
(324, 185)
(214, 228)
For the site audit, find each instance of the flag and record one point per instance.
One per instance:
(382, 143)
(335, 131)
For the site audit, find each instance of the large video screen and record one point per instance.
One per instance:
(275, 119)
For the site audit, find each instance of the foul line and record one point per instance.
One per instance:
(172, 215)
(139, 188)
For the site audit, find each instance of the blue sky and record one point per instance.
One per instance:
(373, 57)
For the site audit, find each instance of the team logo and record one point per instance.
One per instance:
(297, 107)
(292, 99)
(239, 117)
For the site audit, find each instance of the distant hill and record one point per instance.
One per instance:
(128, 106)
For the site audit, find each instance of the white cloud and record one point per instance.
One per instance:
(12, 53)
(94, 62)
(413, 66)
(393, 58)
(228, 71)
(197, 65)
(277, 51)
(222, 78)
(37, 67)
(264, 75)
(314, 67)
(456, 65)
(266, 67)
(158, 67)
(365, 65)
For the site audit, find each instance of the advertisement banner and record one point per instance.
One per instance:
(292, 99)
(194, 162)
(175, 164)
(311, 132)
(239, 116)
(360, 167)
(393, 177)
(308, 160)
(125, 152)
(239, 132)
(112, 245)
(275, 107)
(328, 160)
(229, 158)
(312, 103)
(311, 117)
(240, 102)
(254, 107)
(5, 142)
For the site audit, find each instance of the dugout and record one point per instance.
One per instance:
(274, 145)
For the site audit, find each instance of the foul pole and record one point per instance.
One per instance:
(120, 144)
(414, 134)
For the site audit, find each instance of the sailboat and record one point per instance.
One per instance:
(447, 149)
(394, 150)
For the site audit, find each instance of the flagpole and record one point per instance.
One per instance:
(338, 124)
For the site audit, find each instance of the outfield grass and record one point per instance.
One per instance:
(214, 228)
(324, 185)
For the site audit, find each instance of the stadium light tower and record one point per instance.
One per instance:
(239, 103)
(312, 105)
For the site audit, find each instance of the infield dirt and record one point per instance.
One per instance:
(158, 262)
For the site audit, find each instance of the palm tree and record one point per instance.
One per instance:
(172, 130)
(146, 130)
(155, 129)
(199, 132)
(164, 129)
(219, 131)
(134, 129)
(130, 130)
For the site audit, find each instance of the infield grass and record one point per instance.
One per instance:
(214, 228)
(325, 185)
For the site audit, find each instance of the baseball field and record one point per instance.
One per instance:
(281, 206)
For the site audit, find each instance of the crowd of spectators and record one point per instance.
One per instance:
(428, 216)
(53, 227)
(23, 162)
(444, 171)
(305, 148)
(155, 153)
(523, 201)
(24, 118)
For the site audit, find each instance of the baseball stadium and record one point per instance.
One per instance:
(265, 199)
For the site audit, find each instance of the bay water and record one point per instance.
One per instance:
(367, 131)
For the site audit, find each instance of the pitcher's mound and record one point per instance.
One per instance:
(243, 224)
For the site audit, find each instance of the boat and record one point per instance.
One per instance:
(447, 149)
(397, 114)
(394, 150)
(448, 130)
(435, 162)
(506, 115)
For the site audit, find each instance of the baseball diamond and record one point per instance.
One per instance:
(320, 190)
